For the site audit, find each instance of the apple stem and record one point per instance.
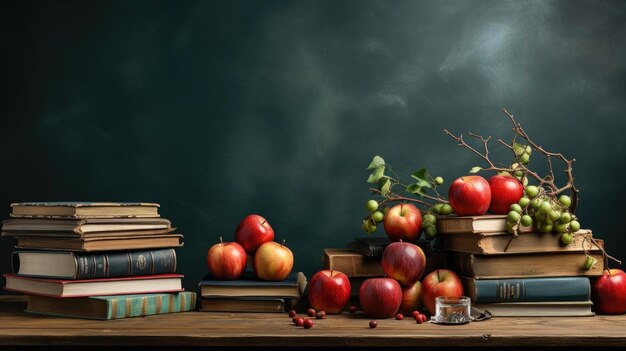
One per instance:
(331, 272)
(401, 209)
(438, 276)
(263, 222)
(221, 240)
(283, 243)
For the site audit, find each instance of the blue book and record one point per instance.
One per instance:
(113, 307)
(528, 289)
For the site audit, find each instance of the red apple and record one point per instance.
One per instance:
(380, 297)
(404, 262)
(470, 196)
(505, 191)
(273, 261)
(411, 298)
(441, 282)
(226, 260)
(403, 222)
(252, 232)
(329, 291)
(608, 292)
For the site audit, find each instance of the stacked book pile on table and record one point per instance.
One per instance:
(528, 275)
(95, 260)
(249, 294)
(361, 260)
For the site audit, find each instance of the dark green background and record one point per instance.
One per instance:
(220, 109)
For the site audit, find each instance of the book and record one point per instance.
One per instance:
(245, 305)
(559, 264)
(538, 309)
(496, 243)
(94, 287)
(527, 289)
(249, 286)
(474, 224)
(112, 307)
(76, 228)
(94, 244)
(373, 246)
(352, 263)
(70, 209)
(70, 265)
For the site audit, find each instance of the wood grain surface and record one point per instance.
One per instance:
(274, 329)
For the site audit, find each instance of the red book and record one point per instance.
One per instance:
(158, 283)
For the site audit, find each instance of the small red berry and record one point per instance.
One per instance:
(299, 321)
(320, 315)
(399, 316)
(352, 309)
(420, 319)
(292, 313)
(308, 323)
(373, 324)
(311, 312)
(415, 314)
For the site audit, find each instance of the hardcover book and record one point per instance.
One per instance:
(538, 309)
(352, 263)
(70, 265)
(107, 243)
(95, 287)
(373, 246)
(249, 286)
(496, 243)
(527, 289)
(76, 228)
(560, 264)
(84, 209)
(113, 307)
(474, 224)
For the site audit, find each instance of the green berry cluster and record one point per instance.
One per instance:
(545, 213)
(375, 216)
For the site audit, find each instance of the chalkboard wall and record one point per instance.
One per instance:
(218, 109)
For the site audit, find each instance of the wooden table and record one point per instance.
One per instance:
(194, 329)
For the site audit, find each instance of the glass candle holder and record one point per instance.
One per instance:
(452, 310)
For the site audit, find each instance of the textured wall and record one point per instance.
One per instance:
(220, 109)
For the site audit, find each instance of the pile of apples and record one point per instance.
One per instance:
(254, 237)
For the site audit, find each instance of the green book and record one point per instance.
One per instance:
(112, 307)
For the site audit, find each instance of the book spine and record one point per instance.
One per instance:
(532, 290)
(146, 305)
(123, 264)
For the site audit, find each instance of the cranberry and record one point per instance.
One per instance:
(320, 315)
(399, 316)
(373, 324)
(292, 313)
(308, 323)
(299, 321)
(311, 312)
(415, 314)
(352, 309)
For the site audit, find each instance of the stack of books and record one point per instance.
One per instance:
(361, 260)
(528, 275)
(249, 294)
(95, 260)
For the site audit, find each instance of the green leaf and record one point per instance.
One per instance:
(518, 149)
(415, 188)
(422, 178)
(376, 175)
(384, 186)
(376, 163)
(475, 169)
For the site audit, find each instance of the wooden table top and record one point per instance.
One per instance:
(274, 329)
